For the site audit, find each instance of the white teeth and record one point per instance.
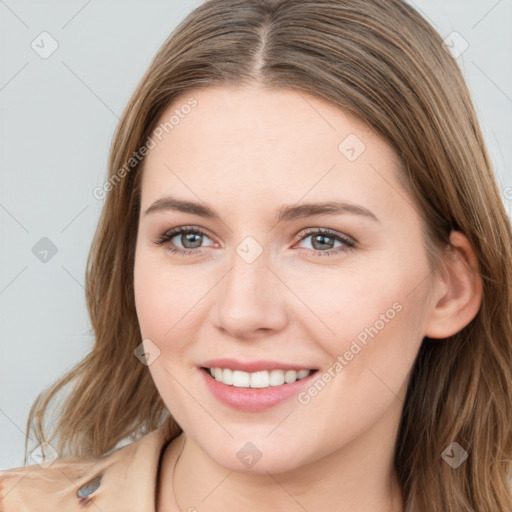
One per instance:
(262, 379)
(302, 373)
(227, 376)
(240, 379)
(290, 376)
(276, 377)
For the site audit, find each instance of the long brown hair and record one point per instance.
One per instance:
(380, 61)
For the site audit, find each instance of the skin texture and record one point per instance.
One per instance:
(247, 152)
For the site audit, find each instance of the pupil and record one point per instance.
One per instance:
(189, 237)
(321, 238)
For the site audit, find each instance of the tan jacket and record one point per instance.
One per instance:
(127, 481)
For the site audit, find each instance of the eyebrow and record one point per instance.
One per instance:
(284, 213)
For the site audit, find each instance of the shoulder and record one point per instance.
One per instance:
(124, 480)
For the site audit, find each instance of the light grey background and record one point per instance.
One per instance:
(58, 116)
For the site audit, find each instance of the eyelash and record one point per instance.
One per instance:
(169, 235)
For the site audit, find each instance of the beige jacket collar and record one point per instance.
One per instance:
(128, 479)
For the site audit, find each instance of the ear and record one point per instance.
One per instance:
(458, 290)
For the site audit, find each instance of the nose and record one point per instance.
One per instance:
(251, 299)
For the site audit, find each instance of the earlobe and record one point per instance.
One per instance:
(458, 290)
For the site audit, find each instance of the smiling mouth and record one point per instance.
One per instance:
(261, 379)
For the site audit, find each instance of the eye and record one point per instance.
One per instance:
(188, 238)
(323, 242)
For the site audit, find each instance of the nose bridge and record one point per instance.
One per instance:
(248, 271)
(250, 297)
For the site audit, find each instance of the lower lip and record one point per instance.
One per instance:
(254, 399)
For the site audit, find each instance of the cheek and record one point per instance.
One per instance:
(165, 314)
(151, 301)
(372, 312)
(166, 299)
(377, 338)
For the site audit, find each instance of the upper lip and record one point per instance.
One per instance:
(253, 366)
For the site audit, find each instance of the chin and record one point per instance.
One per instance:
(259, 456)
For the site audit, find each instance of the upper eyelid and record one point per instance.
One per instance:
(178, 230)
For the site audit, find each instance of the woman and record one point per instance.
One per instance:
(300, 284)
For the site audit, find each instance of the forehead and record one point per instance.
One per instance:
(277, 144)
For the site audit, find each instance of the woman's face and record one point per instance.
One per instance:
(340, 286)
